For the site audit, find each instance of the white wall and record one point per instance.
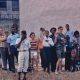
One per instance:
(49, 13)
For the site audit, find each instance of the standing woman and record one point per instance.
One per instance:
(59, 49)
(34, 50)
(47, 43)
(40, 44)
(53, 50)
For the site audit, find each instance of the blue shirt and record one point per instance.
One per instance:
(12, 39)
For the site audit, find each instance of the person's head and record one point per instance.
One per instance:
(1, 31)
(32, 35)
(53, 30)
(67, 27)
(13, 29)
(76, 34)
(67, 38)
(46, 33)
(6, 33)
(23, 34)
(42, 29)
(60, 29)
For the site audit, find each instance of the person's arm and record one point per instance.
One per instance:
(3, 39)
(51, 43)
(8, 42)
(18, 44)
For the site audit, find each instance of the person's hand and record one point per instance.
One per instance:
(47, 40)
(23, 38)
(56, 35)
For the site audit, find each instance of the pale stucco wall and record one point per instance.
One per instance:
(48, 13)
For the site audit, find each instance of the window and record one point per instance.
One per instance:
(15, 5)
(3, 4)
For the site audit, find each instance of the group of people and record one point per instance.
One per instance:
(55, 51)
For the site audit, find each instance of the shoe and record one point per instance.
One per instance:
(24, 78)
(44, 69)
(4, 69)
(48, 71)
(13, 71)
(56, 72)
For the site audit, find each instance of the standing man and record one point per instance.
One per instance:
(68, 32)
(23, 45)
(11, 40)
(53, 49)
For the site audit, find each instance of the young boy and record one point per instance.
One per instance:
(23, 46)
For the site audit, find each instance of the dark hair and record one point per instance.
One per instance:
(42, 29)
(46, 31)
(60, 27)
(32, 33)
(12, 27)
(67, 25)
(76, 33)
(23, 32)
(52, 29)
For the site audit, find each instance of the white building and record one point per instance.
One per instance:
(49, 13)
(9, 13)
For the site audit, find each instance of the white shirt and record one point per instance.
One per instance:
(76, 40)
(70, 34)
(25, 45)
(47, 42)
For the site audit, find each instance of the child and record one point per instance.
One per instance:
(34, 51)
(23, 46)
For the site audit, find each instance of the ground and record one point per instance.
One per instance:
(41, 76)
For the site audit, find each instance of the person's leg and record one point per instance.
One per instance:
(48, 59)
(16, 54)
(7, 57)
(4, 58)
(25, 67)
(58, 65)
(12, 52)
(41, 56)
(36, 59)
(24, 78)
(19, 75)
(45, 59)
(53, 59)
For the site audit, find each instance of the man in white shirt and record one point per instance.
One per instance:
(47, 43)
(23, 46)
(69, 32)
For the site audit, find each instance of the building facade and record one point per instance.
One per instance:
(9, 14)
(49, 13)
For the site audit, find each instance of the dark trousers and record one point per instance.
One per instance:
(41, 56)
(53, 58)
(73, 64)
(67, 61)
(46, 58)
(5, 57)
(13, 53)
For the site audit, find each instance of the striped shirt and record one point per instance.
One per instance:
(34, 44)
